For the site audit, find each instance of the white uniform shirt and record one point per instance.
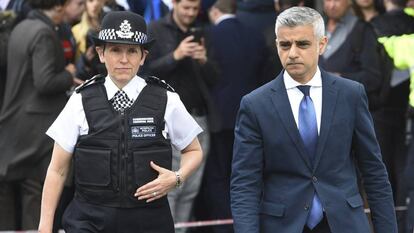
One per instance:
(295, 95)
(71, 123)
(3, 4)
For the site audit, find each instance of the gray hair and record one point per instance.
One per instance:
(301, 16)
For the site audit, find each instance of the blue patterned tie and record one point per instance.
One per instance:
(308, 129)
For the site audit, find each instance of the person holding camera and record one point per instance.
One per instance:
(118, 131)
(180, 58)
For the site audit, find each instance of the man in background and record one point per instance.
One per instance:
(239, 54)
(180, 57)
(36, 85)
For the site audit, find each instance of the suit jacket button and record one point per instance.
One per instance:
(306, 207)
(314, 179)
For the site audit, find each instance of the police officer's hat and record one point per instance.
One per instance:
(123, 27)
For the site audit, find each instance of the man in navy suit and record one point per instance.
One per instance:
(239, 56)
(299, 141)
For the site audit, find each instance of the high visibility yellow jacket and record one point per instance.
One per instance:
(409, 11)
(401, 50)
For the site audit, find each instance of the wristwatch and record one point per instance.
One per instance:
(178, 181)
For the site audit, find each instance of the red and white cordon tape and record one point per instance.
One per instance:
(230, 221)
(204, 223)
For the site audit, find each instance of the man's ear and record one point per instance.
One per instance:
(101, 50)
(322, 44)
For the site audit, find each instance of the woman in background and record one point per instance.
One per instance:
(87, 62)
(367, 9)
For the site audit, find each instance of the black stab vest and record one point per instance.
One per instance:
(113, 159)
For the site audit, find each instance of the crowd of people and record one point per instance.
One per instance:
(199, 58)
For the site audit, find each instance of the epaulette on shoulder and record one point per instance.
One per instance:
(158, 82)
(95, 79)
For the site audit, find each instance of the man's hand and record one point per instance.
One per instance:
(159, 187)
(200, 53)
(185, 49)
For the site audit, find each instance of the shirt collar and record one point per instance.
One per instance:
(168, 3)
(290, 83)
(224, 17)
(132, 89)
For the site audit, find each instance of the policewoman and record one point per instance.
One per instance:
(118, 131)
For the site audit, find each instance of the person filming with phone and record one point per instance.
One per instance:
(180, 58)
(192, 46)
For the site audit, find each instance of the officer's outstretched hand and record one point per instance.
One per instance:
(159, 187)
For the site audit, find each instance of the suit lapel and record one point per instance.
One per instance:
(329, 97)
(282, 105)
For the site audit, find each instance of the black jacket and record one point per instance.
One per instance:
(356, 58)
(256, 5)
(240, 57)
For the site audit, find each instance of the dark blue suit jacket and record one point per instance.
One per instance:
(239, 56)
(273, 180)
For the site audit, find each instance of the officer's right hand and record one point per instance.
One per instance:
(185, 49)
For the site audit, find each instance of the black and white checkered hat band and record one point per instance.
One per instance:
(109, 34)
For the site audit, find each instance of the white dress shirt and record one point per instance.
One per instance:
(3, 4)
(296, 96)
(71, 123)
(224, 17)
